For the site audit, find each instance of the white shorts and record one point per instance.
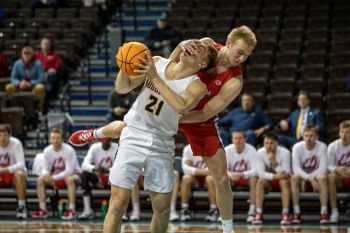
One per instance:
(140, 150)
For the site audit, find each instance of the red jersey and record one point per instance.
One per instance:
(51, 60)
(203, 136)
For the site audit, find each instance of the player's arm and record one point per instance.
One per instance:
(124, 83)
(191, 46)
(180, 103)
(228, 92)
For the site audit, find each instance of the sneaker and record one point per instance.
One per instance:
(324, 218)
(185, 215)
(334, 217)
(285, 219)
(296, 218)
(40, 213)
(21, 212)
(135, 216)
(87, 214)
(250, 217)
(83, 137)
(212, 216)
(258, 218)
(68, 215)
(173, 216)
(125, 217)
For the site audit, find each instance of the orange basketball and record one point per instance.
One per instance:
(129, 54)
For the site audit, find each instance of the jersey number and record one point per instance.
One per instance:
(154, 105)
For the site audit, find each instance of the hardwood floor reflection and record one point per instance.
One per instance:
(89, 227)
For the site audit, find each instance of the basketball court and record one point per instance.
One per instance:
(143, 227)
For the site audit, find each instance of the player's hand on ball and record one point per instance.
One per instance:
(147, 67)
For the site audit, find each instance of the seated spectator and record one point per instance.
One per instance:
(97, 162)
(309, 171)
(196, 175)
(13, 171)
(248, 118)
(299, 119)
(162, 38)
(28, 74)
(61, 169)
(4, 65)
(52, 64)
(241, 170)
(118, 105)
(135, 200)
(338, 153)
(273, 167)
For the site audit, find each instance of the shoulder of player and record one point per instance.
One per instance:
(283, 150)
(15, 141)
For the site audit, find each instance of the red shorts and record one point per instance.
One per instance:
(60, 184)
(104, 180)
(275, 185)
(241, 182)
(346, 181)
(203, 138)
(201, 181)
(6, 180)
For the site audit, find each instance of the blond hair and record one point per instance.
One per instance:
(244, 33)
(344, 124)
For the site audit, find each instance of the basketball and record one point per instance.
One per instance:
(128, 55)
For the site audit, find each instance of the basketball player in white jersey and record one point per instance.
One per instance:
(339, 166)
(60, 170)
(273, 167)
(170, 89)
(241, 167)
(196, 174)
(309, 168)
(97, 162)
(13, 171)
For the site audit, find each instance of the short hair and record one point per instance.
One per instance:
(241, 132)
(344, 124)
(247, 94)
(244, 33)
(271, 135)
(5, 128)
(212, 56)
(56, 130)
(302, 92)
(311, 127)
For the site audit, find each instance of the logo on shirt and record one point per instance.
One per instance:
(4, 160)
(199, 164)
(58, 165)
(240, 166)
(106, 162)
(344, 160)
(208, 93)
(309, 165)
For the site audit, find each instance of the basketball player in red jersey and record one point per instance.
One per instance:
(224, 83)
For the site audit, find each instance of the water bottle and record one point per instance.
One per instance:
(104, 208)
(61, 208)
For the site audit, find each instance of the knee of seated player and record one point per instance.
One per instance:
(284, 183)
(332, 177)
(70, 180)
(209, 182)
(261, 184)
(187, 180)
(295, 179)
(322, 178)
(19, 176)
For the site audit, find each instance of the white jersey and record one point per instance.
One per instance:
(150, 112)
(12, 156)
(241, 162)
(309, 162)
(263, 167)
(62, 163)
(97, 157)
(338, 155)
(187, 155)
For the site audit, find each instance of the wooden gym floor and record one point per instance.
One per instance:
(143, 227)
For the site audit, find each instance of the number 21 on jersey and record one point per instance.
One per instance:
(155, 105)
